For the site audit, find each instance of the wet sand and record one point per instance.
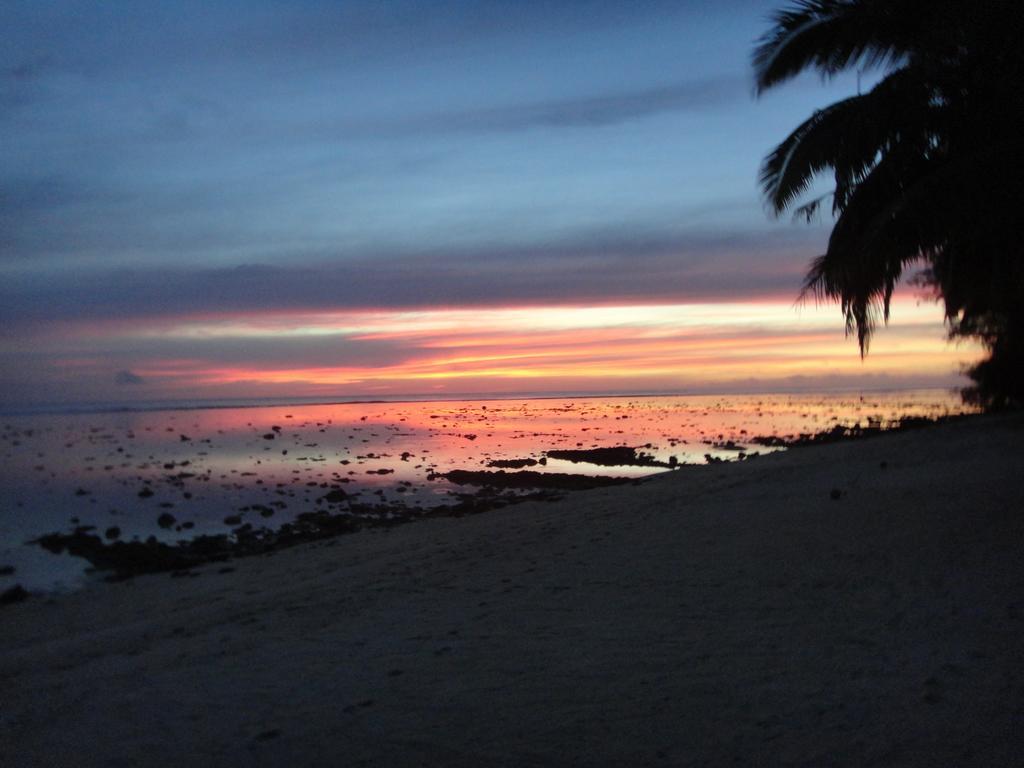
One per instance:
(857, 603)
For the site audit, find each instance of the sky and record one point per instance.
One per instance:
(227, 199)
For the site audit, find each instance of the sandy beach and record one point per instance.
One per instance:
(734, 614)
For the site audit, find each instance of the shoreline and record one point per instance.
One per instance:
(86, 409)
(737, 611)
(115, 559)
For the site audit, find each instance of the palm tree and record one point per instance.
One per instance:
(928, 164)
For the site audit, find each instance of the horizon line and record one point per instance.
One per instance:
(205, 404)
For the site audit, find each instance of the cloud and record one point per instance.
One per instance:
(574, 272)
(267, 350)
(670, 348)
(196, 129)
(20, 197)
(127, 378)
(590, 111)
(117, 33)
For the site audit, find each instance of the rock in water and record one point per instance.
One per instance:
(15, 594)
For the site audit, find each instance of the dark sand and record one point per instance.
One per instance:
(732, 614)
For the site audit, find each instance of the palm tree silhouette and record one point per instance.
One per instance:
(928, 164)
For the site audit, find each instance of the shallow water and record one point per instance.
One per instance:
(265, 465)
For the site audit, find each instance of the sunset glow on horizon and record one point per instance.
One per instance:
(767, 344)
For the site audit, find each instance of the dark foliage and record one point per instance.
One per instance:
(928, 164)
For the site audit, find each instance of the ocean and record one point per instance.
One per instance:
(176, 473)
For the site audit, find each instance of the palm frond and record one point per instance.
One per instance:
(848, 137)
(809, 210)
(833, 35)
(873, 240)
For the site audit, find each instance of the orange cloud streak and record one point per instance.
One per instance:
(616, 347)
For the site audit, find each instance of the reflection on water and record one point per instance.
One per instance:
(176, 474)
